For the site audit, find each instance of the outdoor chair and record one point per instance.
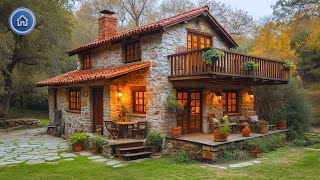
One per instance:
(112, 129)
(213, 121)
(140, 130)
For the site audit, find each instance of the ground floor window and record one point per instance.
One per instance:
(74, 99)
(139, 99)
(230, 101)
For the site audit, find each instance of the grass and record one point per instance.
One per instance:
(313, 92)
(286, 163)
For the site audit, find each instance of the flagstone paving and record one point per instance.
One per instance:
(34, 146)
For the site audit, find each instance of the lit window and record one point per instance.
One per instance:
(198, 41)
(230, 101)
(139, 99)
(74, 99)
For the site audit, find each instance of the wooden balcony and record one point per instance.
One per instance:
(229, 68)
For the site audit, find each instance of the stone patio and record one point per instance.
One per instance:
(34, 146)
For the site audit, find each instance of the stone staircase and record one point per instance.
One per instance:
(132, 150)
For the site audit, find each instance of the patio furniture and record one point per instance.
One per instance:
(212, 124)
(124, 126)
(139, 130)
(237, 128)
(54, 128)
(112, 129)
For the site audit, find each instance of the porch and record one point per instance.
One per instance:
(201, 146)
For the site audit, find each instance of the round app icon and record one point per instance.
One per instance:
(22, 21)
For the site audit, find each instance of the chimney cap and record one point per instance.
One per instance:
(107, 12)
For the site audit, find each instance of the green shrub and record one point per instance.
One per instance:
(225, 130)
(211, 55)
(154, 139)
(274, 141)
(291, 100)
(288, 65)
(233, 152)
(182, 157)
(79, 138)
(250, 65)
(96, 141)
(266, 144)
(299, 142)
(173, 107)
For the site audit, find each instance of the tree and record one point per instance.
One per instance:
(236, 21)
(272, 40)
(287, 10)
(37, 49)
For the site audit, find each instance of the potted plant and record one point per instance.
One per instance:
(250, 65)
(211, 55)
(77, 141)
(253, 147)
(223, 130)
(154, 141)
(176, 109)
(280, 117)
(264, 127)
(288, 65)
(95, 143)
(246, 131)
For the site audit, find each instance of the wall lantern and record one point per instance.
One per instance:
(119, 94)
(251, 95)
(219, 94)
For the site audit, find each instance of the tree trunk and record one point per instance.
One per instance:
(4, 105)
(5, 98)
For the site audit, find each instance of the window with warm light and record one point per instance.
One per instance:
(87, 61)
(74, 99)
(198, 41)
(230, 101)
(139, 99)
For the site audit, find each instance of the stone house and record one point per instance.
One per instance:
(137, 68)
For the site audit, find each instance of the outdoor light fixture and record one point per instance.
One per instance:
(219, 94)
(119, 94)
(251, 95)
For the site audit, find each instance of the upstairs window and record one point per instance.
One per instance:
(132, 51)
(87, 61)
(75, 99)
(230, 102)
(139, 99)
(198, 41)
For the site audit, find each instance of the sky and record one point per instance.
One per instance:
(256, 8)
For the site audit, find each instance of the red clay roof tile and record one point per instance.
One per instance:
(93, 74)
(154, 26)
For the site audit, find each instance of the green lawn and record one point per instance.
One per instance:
(27, 113)
(286, 163)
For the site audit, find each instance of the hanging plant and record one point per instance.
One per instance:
(211, 55)
(250, 65)
(288, 65)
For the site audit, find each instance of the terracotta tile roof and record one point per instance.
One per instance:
(158, 25)
(93, 74)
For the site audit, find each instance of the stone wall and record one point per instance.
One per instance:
(28, 122)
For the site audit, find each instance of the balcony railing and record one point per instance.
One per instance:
(190, 63)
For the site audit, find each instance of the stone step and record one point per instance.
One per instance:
(133, 148)
(137, 154)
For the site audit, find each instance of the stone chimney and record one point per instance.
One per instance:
(107, 25)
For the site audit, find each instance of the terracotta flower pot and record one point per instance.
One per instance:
(282, 124)
(154, 149)
(242, 121)
(219, 137)
(254, 152)
(95, 150)
(77, 147)
(264, 129)
(246, 131)
(176, 132)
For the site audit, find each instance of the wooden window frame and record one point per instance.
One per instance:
(199, 35)
(87, 60)
(226, 105)
(77, 99)
(144, 99)
(135, 53)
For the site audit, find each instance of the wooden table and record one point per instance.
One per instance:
(124, 125)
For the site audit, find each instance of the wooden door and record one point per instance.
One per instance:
(97, 107)
(191, 121)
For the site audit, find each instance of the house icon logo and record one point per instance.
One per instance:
(22, 21)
